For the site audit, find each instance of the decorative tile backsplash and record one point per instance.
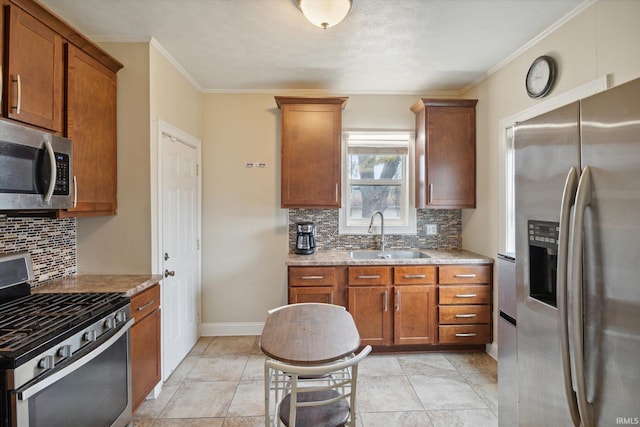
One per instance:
(51, 243)
(449, 235)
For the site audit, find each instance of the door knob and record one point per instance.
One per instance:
(168, 273)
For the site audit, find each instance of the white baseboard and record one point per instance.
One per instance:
(492, 350)
(230, 329)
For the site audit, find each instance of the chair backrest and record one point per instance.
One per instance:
(324, 393)
(273, 310)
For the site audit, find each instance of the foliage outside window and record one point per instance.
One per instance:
(377, 178)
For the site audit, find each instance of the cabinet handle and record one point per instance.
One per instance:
(336, 192)
(415, 276)
(1, 77)
(19, 90)
(430, 193)
(466, 295)
(331, 297)
(470, 334)
(75, 191)
(397, 301)
(312, 277)
(465, 316)
(465, 276)
(142, 307)
(375, 276)
(386, 301)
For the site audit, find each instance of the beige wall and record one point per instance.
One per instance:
(122, 243)
(601, 40)
(244, 229)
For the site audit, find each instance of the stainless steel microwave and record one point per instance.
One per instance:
(35, 169)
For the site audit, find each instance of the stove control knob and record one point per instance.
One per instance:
(121, 316)
(46, 362)
(64, 351)
(110, 323)
(89, 336)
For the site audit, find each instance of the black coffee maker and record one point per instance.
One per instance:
(305, 238)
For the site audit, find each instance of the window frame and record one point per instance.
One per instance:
(408, 199)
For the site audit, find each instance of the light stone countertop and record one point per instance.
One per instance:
(439, 256)
(127, 284)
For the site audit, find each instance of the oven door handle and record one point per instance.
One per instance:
(41, 385)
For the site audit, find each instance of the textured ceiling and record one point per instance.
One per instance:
(382, 46)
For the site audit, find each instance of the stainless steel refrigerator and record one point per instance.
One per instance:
(578, 262)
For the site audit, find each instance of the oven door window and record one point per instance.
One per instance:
(96, 394)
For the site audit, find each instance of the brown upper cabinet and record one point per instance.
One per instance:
(91, 125)
(34, 71)
(310, 151)
(445, 153)
(57, 79)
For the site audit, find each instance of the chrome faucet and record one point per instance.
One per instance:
(383, 242)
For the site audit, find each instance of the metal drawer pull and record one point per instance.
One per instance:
(415, 276)
(465, 316)
(377, 276)
(466, 295)
(312, 277)
(471, 334)
(142, 307)
(465, 276)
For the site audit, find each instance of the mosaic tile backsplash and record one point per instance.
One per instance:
(51, 243)
(326, 220)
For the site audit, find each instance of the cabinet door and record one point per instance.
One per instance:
(414, 320)
(35, 72)
(445, 153)
(145, 357)
(311, 155)
(369, 306)
(91, 125)
(323, 294)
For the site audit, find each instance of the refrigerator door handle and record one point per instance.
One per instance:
(568, 197)
(583, 199)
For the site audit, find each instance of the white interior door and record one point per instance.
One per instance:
(180, 247)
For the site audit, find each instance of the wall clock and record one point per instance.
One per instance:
(541, 76)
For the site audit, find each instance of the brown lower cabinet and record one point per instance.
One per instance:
(146, 366)
(405, 305)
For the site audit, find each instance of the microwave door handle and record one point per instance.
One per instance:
(53, 177)
(568, 197)
(583, 199)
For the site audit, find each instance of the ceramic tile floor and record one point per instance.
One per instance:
(220, 384)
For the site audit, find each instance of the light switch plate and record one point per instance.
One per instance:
(432, 229)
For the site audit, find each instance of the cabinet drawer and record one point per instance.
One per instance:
(454, 274)
(464, 334)
(469, 294)
(312, 276)
(145, 302)
(464, 314)
(369, 275)
(415, 275)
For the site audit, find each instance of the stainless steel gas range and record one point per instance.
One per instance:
(64, 358)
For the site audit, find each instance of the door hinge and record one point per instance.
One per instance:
(198, 244)
(197, 170)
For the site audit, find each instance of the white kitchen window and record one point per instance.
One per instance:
(377, 175)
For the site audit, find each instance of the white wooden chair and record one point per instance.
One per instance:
(322, 395)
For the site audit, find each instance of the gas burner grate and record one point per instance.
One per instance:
(28, 321)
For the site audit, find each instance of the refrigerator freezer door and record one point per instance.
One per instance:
(547, 147)
(611, 291)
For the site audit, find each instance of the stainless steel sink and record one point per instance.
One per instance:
(387, 255)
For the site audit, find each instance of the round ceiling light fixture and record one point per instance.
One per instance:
(325, 13)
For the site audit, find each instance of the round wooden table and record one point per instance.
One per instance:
(309, 334)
